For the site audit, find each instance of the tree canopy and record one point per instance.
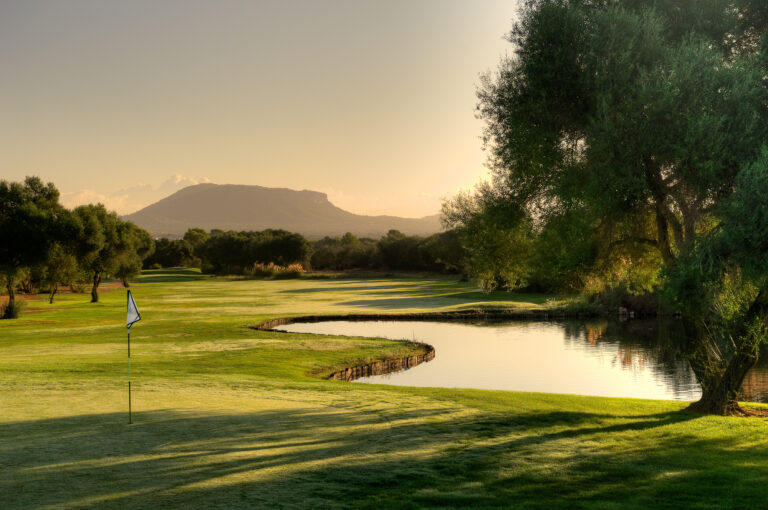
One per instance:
(645, 122)
(31, 220)
(44, 243)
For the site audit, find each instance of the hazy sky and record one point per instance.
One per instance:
(125, 101)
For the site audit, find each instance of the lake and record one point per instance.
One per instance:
(629, 359)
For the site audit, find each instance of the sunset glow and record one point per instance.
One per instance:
(370, 102)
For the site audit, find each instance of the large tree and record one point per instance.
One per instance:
(136, 245)
(646, 120)
(61, 267)
(31, 220)
(108, 246)
(98, 244)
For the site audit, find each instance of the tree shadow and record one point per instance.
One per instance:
(342, 457)
(436, 294)
(170, 274)
(396, 303)
(369, 288)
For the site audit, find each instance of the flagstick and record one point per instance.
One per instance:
(129, 376)
(131, 317)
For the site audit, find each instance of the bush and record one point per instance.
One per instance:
(290, 271)
(620, 297)
(77, 287)
(6, 312)
(272, 270)
(259, 270)
(171, 253)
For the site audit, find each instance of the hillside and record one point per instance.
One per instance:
(239, 207)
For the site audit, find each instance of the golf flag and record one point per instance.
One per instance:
(133, 316)
(133, 312)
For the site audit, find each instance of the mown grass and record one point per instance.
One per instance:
(225, 416)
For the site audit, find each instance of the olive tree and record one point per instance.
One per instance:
(108, 246)
(135, 246)
(30, 222)
(648, 119)
(61, 268)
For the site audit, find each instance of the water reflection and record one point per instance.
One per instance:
(637, 358)
(642, 346)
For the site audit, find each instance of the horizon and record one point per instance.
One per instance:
(373, 104)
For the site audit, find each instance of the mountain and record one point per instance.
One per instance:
(238, 207)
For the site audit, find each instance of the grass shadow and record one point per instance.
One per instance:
(172, 274)
(341, 458)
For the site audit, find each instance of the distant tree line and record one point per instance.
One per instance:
(230, 252)
(393, 251)
(43, 245)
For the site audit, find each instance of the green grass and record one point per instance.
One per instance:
(226, 416)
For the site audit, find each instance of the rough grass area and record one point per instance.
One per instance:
(225, 416)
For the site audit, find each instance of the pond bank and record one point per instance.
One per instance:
(451, 316)
(383, 367)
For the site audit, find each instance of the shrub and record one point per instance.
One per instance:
(77, 287)
(6, 312)
(272, 270)
(259, 270)
(290, 271)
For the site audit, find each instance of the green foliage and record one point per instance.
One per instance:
(61, 268)
(344, 253)
(399, 251)
(172, 253)
(135, 246)
(196, 237)
(610, 109)
(443, 252)
(440, 252)
(235, 252)
(564, 253)
(727, 268)
(632, 133)
(31, 220)
(108, 246)
(12, 310)
(99, 238)
(745, 220)
(637, 117)
(496, 238)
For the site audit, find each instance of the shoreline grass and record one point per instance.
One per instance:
(226, 417)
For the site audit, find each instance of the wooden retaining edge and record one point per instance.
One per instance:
(383, 367)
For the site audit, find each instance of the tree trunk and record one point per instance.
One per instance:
(721, 397)
(720, 379)
(125, 284)
(95, 288)
(10, 309)
(54, 288)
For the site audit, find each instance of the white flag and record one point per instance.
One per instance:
(133, 312)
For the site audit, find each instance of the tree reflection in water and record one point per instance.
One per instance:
(634, 358)
(656, 344)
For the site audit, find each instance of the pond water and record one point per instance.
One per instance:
(631, 359)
